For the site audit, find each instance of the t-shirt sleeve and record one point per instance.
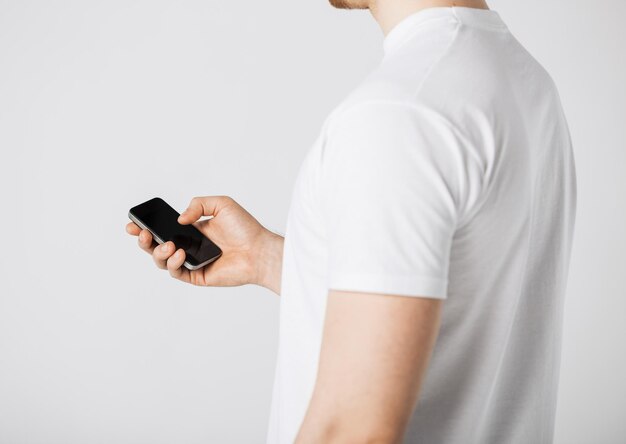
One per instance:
(396, 179)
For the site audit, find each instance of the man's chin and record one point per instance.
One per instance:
(350, 4)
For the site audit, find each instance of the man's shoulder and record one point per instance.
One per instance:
(384, 83)
(377, 90)
(379, 97)
(400, 81)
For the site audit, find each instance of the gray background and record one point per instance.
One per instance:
(106, 104)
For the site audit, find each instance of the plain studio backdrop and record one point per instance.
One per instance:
(104, 105)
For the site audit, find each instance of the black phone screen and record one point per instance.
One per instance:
(162, 221)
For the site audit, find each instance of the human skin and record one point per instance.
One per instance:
(251, 254)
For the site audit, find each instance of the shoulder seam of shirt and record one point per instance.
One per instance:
(445, 52)
(335, 116)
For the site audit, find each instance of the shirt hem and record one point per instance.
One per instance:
(414, 286)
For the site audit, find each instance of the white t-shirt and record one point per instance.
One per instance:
(447, 173)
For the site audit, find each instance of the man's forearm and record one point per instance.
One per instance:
(270, 261)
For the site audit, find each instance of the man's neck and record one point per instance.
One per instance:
(388, 13)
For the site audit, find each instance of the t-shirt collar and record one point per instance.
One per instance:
(405, 27)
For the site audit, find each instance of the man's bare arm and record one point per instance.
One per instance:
(374, 355)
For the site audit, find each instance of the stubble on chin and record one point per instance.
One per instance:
(350, 4)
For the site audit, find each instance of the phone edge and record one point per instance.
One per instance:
(187, 265)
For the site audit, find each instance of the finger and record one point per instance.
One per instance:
(145, 241)
(162, 253)
(175, 266)
(203, 206)
(133, 228)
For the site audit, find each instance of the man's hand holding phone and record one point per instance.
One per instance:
(251, 254)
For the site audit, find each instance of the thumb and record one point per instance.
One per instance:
(201, 206)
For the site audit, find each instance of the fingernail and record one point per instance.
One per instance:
(164, 247)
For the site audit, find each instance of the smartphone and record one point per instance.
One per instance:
(160, 219)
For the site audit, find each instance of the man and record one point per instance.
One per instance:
(425, 258)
